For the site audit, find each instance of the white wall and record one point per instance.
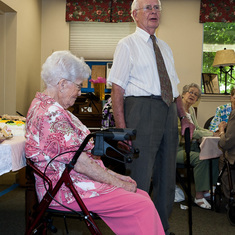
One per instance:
(25, 53)
(181, 29)
(7, 61)
(55, 31)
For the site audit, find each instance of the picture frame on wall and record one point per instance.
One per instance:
(210, 83)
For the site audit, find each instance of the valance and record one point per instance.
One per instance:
(99, 10)
(217, 11)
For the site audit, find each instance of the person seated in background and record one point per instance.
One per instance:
(107, 115)
(191, 93)
(222, 113)
(109, 122)
(52, 130)
(226, 142)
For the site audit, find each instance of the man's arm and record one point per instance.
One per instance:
(117, 95)
(185, 123)
(227, 139)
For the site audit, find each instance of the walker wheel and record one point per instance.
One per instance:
(52, 228)
(231, 213)
(218, 200)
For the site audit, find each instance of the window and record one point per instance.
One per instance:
(97, 40)
(218, 36)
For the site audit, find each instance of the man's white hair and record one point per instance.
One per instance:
(135, 5)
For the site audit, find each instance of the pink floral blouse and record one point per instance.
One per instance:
(50, 131)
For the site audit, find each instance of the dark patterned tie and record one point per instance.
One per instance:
(166, 89)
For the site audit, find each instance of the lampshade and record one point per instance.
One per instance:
(224, 58)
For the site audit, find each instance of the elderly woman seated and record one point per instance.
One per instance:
(191, 93)
(223, 112)
(52, 130)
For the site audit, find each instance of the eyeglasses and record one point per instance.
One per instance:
(158, 8)
(193, 93)
(79, 86)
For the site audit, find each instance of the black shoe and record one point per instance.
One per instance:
(172, 233)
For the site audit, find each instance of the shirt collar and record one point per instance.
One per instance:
(143, 34)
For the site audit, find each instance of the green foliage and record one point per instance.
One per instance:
(218, 33)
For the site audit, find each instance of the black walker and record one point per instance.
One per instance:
(219, 191)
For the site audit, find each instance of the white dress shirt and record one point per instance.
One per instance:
(134, 66)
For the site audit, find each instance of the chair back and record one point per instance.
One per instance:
(208, 122)
(39, 173)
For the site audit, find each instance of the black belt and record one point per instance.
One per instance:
(156, 97)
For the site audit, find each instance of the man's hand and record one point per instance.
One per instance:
(185, 123)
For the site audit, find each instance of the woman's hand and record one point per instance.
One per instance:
(128, 183)
(128, 186)
(90, 168)
(122, 177)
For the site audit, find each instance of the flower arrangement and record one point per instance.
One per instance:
(98, 80)
(99, 86)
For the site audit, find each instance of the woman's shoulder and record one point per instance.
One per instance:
(225, 107)
(192, 110)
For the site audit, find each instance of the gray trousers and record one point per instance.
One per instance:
(157, 140)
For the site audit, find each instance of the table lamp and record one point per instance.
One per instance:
(225, 58)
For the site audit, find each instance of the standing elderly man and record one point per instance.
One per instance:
(145, 97)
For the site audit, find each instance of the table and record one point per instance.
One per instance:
(12, 154)
(209, 148)
(209, 151)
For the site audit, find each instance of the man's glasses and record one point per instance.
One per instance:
(150, 8)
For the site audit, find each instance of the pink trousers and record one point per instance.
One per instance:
(124, 212)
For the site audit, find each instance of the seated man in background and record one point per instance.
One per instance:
(191, 93)
(227, 140)
(222, 113)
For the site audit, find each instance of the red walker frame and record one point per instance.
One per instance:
(100, 144)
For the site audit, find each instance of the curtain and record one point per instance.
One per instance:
(217, 11)
(98, 10)
(121, 11)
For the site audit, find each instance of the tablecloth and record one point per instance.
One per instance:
(12, 154)
(209, 148)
